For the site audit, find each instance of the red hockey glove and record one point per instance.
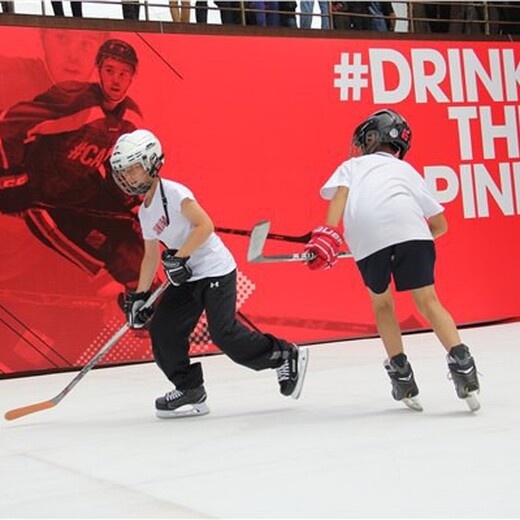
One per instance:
(325, 243)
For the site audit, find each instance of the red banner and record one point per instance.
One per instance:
(254, 126)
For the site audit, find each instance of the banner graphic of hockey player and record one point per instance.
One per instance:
(254, 126)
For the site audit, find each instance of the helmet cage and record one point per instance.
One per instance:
(128, 153)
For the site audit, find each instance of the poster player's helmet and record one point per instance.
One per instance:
(383, 127)
(119, 50)
(139, 147)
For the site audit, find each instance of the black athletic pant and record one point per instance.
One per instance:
(177, 315)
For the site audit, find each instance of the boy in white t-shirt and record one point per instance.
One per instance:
(202, 273)
(390, 221)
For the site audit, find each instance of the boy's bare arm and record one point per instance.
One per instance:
(202, 227)
(438, 225)
(337, 206)
(149, 265)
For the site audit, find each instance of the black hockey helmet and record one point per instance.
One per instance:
(119, 50)
(383, 127)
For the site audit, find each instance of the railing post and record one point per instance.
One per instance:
(242, 13)
(487, 29)
(411, 19)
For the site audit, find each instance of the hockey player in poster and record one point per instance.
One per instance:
(60, 267)
(67, 59)
(55, 152)
(390, 221)
(202, 273)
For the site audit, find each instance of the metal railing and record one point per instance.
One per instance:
(462, 17)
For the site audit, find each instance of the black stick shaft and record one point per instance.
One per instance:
(303, 239)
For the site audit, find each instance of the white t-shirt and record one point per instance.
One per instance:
(212, 258)
(388, 202)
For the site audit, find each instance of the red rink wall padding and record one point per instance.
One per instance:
(254, 126)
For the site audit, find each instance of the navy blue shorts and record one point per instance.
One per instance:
(410, 264)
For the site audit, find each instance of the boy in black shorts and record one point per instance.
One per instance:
(391, 221)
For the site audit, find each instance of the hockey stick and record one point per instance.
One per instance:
(44, 405)
(259, 235)
(91, 212)
(303, 239)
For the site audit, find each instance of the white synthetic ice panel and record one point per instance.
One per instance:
(345, 449)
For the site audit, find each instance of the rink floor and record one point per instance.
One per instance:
(345, 449)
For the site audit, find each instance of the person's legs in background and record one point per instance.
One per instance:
(325, 15)
(306, 8)
(76, 9)
(7, 7)
(130, 10)
(201, 11)
(57, 7)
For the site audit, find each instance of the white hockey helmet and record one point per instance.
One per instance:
(138, 147)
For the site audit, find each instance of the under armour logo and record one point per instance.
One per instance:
(213, 285)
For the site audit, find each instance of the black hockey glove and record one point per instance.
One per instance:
(132, 304)
(176, 268)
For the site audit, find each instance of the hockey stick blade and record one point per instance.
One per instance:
(257, 240)
(16, 413)
(259, 235)
(31, 408)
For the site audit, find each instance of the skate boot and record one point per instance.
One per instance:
(291, 373)
(182, 403)
(463, 372)
(404, 387)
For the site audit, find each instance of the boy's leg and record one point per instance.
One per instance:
(463, 372)
(376, 270)
(386, 322)
(413, 270)
(461, 364)
(250, 348)
(174, 319)
(438, 317)
(404, 387)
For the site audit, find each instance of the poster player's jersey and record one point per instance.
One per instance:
(62, 139)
